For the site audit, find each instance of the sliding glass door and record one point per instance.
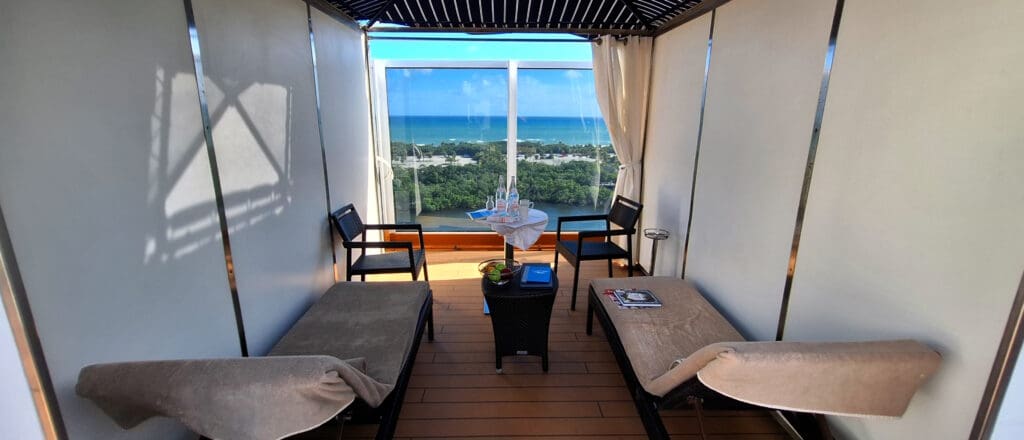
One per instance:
(449, 132)
(564, 157)
(447, 135)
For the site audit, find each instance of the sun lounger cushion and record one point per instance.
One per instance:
(375, 321)
(655, 338)
(251, 398)
(875, 378)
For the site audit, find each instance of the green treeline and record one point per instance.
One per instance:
(449, 186)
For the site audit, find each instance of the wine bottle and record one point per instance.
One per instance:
(499, 195)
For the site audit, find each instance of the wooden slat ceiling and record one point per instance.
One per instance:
(642, 17)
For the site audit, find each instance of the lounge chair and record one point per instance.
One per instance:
(303, 382)
(686, 353)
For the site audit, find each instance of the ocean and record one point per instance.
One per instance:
(426, 130)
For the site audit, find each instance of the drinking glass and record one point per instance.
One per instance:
(490, 203)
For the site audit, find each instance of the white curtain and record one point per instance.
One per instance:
(622, 73)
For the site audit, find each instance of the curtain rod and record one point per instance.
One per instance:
(496, 40)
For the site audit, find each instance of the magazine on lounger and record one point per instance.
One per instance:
(636, 298)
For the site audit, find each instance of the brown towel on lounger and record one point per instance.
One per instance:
(875, 378)
(850, 378)
(237, 398)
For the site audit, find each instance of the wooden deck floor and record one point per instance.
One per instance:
(455, 392)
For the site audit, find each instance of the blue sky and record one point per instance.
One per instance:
(477, 50)
(484, 92)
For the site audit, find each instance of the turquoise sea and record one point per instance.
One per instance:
(434, 130)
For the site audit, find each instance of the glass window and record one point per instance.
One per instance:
(565, 161)
(448, 131)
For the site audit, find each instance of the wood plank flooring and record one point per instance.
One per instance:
(455, 392)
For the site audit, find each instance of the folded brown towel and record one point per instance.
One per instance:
(874, 378)
(237, 398)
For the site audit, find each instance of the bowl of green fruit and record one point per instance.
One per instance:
(499, 271)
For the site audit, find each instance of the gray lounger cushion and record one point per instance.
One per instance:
(375, 321)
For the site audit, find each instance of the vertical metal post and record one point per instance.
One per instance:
(320, 131)
(204, 111)
(812, 152)
(700, 136)
(1002, 368)
(30, 349)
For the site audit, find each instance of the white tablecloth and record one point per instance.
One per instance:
(523, 233)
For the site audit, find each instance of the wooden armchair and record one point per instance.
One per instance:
(348, 224)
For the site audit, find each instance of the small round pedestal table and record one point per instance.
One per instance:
(521, 234)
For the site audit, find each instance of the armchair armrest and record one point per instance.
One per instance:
(588, 234)
(576, 218)
(579, 218)
(379, 245)
(396, 227)
(608, 234)
(400, 227)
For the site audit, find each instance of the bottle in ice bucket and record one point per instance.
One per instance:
(513, 199)
(499, 195)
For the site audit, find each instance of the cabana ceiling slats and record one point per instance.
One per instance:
(620, 17)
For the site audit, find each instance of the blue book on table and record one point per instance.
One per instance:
(536, 275)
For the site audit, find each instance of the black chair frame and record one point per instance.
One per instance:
(624, 213)
(348, 224)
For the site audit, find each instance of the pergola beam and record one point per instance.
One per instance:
(636, 12)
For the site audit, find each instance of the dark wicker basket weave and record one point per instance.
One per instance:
(520, 319)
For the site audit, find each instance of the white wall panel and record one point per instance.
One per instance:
(677, 84)
(259, 81)
(346, 116)
(913, 226)
(106, 189)
(766, 67)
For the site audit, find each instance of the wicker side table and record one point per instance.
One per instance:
(520, 319)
